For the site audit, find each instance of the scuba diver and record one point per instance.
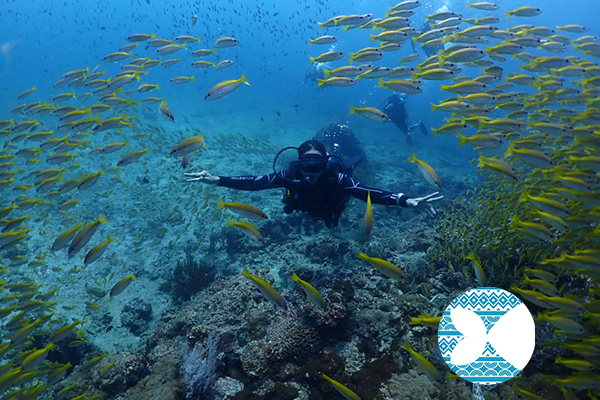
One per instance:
(316, 72)
(317, 183)
(394, 107)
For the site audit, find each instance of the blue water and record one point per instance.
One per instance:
(153, 213)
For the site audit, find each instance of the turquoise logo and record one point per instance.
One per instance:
(486, 336)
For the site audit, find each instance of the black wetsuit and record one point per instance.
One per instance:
(395, 109)
(324, 200)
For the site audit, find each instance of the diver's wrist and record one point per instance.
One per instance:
(401, 199)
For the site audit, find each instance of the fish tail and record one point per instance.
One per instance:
(414, 40)
(445, 87)
(434, 107)
(244, 80)
(311, 42)
(469, 5)
(435, 131)
(221, 204)
(363, 256)
(508, 14)
(462, 139)
(326, 72)
(321, 25)
(406, 346)
(246, 273)
(412, 158)
(353, 109)
(381, 83)
(193, 78)
(320, 82)
(230, 222)
(295, 278)
(373, 37)
(312, 59)
(510, 151)
(442, 58)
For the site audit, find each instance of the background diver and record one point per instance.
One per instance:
(318, 183)
(395, 108)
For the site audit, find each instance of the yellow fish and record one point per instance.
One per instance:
(83, 237)
(428, 172)
(97, 251)
(121, 285)
(245, 210)
(249, 229)
(312, 293)
(425, 365)
(368, 215)
(267, 290)
(383, 266)
(343, 390)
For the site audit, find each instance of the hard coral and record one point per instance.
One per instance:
(286, 340)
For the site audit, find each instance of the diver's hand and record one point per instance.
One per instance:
(424, 203)
(203, 176)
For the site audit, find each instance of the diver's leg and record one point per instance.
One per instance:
(419, 125)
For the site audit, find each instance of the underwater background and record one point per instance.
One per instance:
(121, 280)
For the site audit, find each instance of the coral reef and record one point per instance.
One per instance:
(136, 316)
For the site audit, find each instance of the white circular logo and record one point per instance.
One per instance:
(486, 335)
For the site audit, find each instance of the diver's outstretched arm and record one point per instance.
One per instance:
(245, 182)
(202, 176)
(378, 196)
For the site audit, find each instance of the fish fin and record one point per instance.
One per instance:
(221, 204)
(353, 109)
(412, 158)
(462, 139)
(321, 82)
(244, 80)
(312, 59)
(441, 58)
(326, 72)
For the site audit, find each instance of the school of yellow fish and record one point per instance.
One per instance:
(42, 142)
(543, 141)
